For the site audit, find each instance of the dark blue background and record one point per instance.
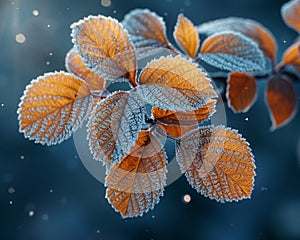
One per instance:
(68, 203)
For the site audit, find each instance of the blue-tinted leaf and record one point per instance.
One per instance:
(248, 27)
(233, 52)
(114, 126)
(147, 31)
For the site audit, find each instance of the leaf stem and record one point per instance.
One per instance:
(149, 122)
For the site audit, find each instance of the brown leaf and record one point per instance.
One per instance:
(176, 124)
(232, 51)
(241, 91)
(136, 183)
(291, 56)
(175, 131)
(175, 84)
(186, 36)
(248, 27)
(75, 65)
(114, 125)
(281, 99)
(217, 162)
(185, 118)
(53, 107)
(105, 48)
(290, 13)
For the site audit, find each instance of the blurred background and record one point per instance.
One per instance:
(46, 193)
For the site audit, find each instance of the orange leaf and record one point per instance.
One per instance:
(114, 126)
(138, 180)
(174, 131)
(75, 65)
(147, 31)
(250, 28)
(185, 118)
(281, 99)
(53, 107)
(105, 48)
(232, 51)
(186, 36)
(290, 13)
(217, 162)
(291, 56)
(176, 84)
(241, 91)
(176, 124)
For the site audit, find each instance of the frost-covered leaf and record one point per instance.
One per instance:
(241, 91)
(281, 99)
(248, 27)
(147, 31)
(105, 48)
(136, 183)
(291, 56)
(176, 84)
(290, 13)
(233, 52)
(75, 65)
(53, 107)
(185, 118)
(217, 162)
(186, 36)
(114, 126)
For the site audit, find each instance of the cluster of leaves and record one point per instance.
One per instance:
(239, 47)
(216, 160)
(280, 94)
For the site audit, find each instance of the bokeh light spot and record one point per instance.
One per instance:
(11, 190)
(105, 3)
(35, 13)
(187, 198)
(31, 213)
(20, 38)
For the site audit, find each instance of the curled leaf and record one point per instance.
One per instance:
(185, 118)
(241, 91)
(147, 31)
(105, 48)
(75, 65)
(233, 52)
(114, 126)
(186, 36)
(53, 107)
(248, 27)
(291, 56)
(174, 131)
(136, 183)
(176, 124)
(290, 13)
(175, 84)
(217, 162)
(281, 99)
